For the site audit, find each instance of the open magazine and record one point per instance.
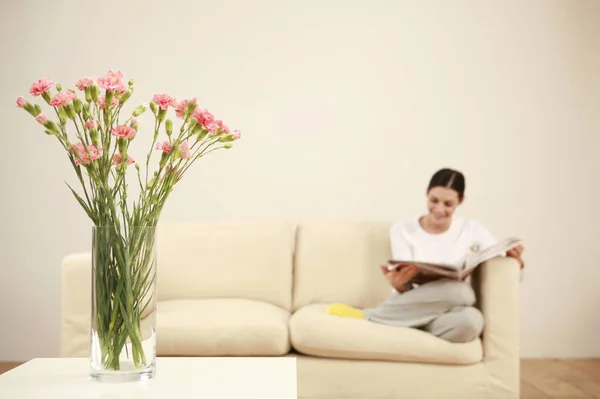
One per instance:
(472, 261)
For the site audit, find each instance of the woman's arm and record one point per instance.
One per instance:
(401, 250)
(484, 239)
(482, 236)
(400, 279)
(399, 246)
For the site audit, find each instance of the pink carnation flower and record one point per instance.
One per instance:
(237, 134)
(113, 81)
(41, 118)
(63, 98)
(21, 102)
(185, 150)
(118, 158)
(182, 106)
(102, 102)
(213, 128)
(224, 128)
(123, 132)
(91, 124)
(41, 86)
(84, 82)
(164, 146)
(81, 155)
(205, 118)
(164, 101)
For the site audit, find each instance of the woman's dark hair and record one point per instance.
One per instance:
(449, 178)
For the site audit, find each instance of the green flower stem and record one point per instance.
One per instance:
(157, 124)
(118, 272)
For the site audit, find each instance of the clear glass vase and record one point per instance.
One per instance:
(123, 324)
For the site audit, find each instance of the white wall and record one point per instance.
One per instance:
(346, 108)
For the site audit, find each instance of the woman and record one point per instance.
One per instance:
(440, 306)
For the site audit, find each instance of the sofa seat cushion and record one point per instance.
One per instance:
(314, 332)
(221, 327)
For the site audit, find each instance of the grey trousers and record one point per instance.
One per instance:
(443, 308)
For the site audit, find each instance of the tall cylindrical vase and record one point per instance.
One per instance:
(123, 324)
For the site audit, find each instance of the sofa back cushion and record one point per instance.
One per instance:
(237, 259)
(338, 261)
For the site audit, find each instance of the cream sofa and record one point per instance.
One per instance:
(255, 288)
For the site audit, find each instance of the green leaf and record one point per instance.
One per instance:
(86, 208)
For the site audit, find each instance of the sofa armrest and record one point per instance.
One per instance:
(75, 305)
(496, 284)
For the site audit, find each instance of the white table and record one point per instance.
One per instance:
(179, 377)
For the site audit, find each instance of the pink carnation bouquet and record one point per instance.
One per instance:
(95, 132)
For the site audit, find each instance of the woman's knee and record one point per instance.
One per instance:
(465, 295)
(468, 325)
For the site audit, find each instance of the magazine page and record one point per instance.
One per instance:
(498, 249)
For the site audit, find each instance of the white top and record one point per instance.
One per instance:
(181, 377)
(410, 242)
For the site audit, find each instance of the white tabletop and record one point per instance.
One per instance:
(194, 377)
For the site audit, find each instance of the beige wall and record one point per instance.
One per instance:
(346, 108)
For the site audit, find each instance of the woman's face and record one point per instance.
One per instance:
(441, 203)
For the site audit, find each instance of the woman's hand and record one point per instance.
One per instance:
(516, 253)
(399, 279)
